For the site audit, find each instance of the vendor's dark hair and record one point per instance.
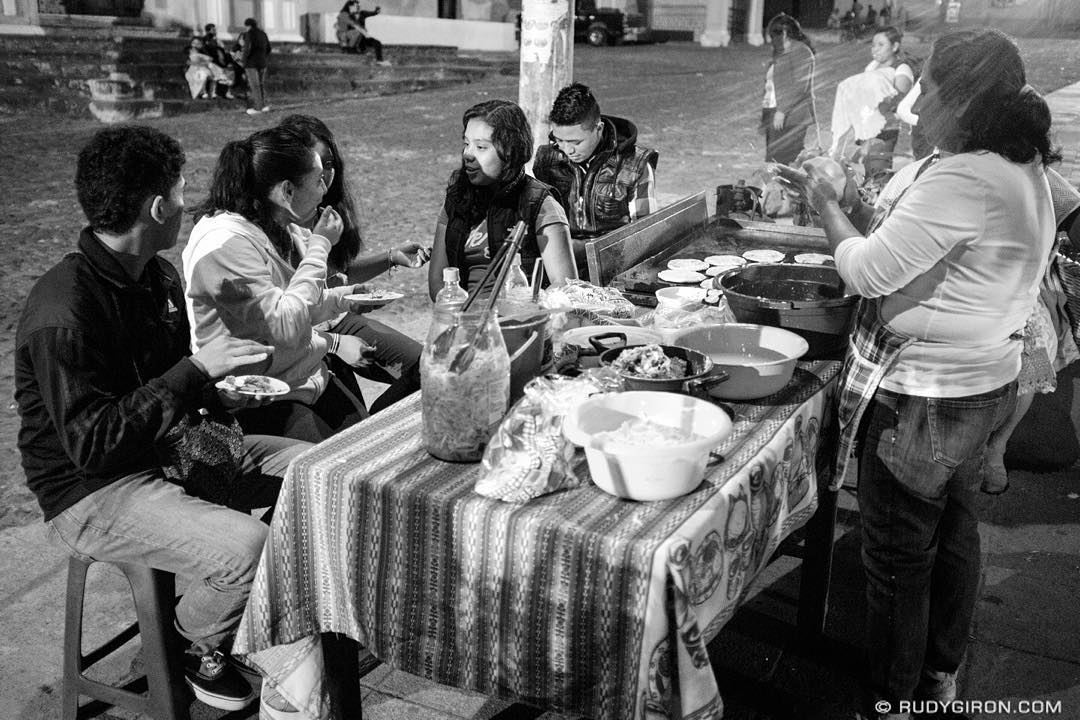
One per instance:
(119, 169)
(575, 105)
(339, 195)
(982, 68)
(246, 171)
(782, 22)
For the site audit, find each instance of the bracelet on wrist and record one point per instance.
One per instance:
(335, 340)
(390, 259)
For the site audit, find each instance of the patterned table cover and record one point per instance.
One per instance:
(577, 601)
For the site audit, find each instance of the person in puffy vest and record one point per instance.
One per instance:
(604, 179)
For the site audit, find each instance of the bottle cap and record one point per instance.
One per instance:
(450, 274)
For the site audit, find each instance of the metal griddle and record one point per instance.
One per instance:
(722, 236)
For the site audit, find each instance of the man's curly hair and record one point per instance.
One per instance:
(119, 168)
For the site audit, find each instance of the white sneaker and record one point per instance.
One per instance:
(252, 111)
(266, 108)
(383, 63)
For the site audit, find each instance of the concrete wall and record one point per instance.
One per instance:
(400, 30)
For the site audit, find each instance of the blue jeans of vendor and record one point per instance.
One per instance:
(919, 476)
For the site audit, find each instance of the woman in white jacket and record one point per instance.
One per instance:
(241, 281)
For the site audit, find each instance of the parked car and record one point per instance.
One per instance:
(606, 26)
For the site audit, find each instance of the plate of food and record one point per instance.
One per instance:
(687, 264)
(764, 256)
(680, 276)
(255, 385)
(373, 297)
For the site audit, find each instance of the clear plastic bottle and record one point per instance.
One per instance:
(452, 296)
(517, 287)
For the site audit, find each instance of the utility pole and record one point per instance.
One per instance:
(547, 59)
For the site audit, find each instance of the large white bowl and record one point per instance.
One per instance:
(647, 472)
(759, 359)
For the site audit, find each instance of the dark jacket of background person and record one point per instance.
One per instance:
(88, 311)
(613, 172)
(793, 78)
(520, 201)
(256, 48)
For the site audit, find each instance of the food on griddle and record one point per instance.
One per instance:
(650, 361)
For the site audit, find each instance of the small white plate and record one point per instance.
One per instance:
(726, 261)
(687, 264)
(245, 385)
(378, 297)
(814, 259)
(680, 276)
(763, 256)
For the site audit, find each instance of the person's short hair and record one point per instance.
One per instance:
(209, 26)
(980, 72)
(250, 22)
(891, 33)
(575, 105)
(119, 169)
(510, 133)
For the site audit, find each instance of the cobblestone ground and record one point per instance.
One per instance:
(699, 107)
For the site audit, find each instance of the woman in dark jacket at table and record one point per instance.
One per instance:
(489, 194)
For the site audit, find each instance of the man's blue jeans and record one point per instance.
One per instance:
(919, 475)
(142, 518)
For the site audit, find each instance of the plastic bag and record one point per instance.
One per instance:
(582, 295)
(528, 456)
(666, 321)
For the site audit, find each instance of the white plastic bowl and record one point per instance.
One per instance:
(759, 359)
(682, 298)
(651, 471)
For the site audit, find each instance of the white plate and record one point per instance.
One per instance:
(814, 259)
(680, 276)
(726, 261)
(235, 383)
(379, 297)
(687, 264)
(764, 256)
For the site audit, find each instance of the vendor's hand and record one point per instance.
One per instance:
(329, 225)
(226, 355)
(778, 120)
(338, 295)
(410, 254)
(354, 351)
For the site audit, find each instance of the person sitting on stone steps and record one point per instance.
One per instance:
(352, 31)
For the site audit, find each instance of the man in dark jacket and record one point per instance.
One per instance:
(255, 49)
(603, 178)
(221, 57)
(106, 387)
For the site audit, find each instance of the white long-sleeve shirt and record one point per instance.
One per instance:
(958, 264)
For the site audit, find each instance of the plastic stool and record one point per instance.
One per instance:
(154, 592)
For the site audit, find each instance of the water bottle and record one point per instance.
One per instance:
(452, 296)
(517, 285)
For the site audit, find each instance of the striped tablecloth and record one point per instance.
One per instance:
(577, 601)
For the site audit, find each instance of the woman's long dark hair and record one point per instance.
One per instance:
(248, 169)
(1003, 114)
(512, 138)
(338, 195)
(783, 21)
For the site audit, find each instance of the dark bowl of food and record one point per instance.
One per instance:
(664, 368)
(809, 300)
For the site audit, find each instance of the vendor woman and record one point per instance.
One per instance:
(489, 194)
(949, 278)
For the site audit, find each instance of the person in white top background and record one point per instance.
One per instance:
(948, 278)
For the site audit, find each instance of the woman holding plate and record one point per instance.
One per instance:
(395, 357)
(242, 281)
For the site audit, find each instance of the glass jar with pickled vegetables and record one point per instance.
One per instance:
(464, 384)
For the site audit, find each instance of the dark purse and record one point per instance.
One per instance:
(203, 453)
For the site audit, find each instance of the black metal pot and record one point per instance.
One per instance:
(700, 376)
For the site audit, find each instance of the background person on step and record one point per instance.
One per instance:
(352, 31)
(604, 179)
(255, 48)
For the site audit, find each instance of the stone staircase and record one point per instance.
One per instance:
(118, 74)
